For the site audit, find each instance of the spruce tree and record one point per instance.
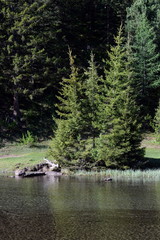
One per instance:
(153, 15)
(20, 49)
(66, 141)
(92, 100)
(29, 61)
(120, 137)
(78, 126)
(144, 57)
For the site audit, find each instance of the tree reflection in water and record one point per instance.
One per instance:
(59, 208)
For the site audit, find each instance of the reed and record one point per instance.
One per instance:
(153, 174)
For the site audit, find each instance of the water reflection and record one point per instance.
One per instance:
(59, 208)
(105, 210)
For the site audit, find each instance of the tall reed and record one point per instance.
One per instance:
(121, 174)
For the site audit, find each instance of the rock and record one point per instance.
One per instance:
(40, 167)
(108, 179)
(45, 169)
(19, 172)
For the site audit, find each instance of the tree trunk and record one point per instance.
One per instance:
(16, 110)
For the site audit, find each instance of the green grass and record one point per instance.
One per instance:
(14, 155)
(153, 153)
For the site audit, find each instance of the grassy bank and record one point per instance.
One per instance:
(152, 152)
(14, 155)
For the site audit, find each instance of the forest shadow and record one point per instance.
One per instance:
(152, 163)
(39, 146)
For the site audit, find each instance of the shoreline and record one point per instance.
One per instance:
(115, 175)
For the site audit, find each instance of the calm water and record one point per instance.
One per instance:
(62, 208)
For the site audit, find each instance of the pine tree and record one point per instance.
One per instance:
(144, 57)
(120, 138)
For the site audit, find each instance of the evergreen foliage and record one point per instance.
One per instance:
(69, 126)
(92, 100)
(75, 137)
(34, 39)
(120, 138)
(22, 53)
(144, 57)
(97, 117)
(153, 15)
(98, 125)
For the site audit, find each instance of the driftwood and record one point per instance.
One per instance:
(37, 170)
(34, 174)
(51, 164)
(23, 173)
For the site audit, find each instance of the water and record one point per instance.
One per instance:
(63, 208)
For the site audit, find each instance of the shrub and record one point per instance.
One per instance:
(27, 139)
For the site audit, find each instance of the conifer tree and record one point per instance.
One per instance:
(153, 15)
(77, 128)
(120, 138)
(92, 99)
(20, 49)
(66, 142)
(144, 57)
(28, 66)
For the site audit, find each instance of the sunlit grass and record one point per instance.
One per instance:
(26, 160)
(13, 155)
(153, 153)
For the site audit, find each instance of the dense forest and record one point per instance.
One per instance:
(85, 72)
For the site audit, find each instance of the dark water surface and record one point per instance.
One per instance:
(63, 208)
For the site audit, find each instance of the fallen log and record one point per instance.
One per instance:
(34, 174)
(51, 164)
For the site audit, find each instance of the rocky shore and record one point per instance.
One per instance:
(39, 170)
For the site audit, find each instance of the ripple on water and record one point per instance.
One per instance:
(78, 210)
